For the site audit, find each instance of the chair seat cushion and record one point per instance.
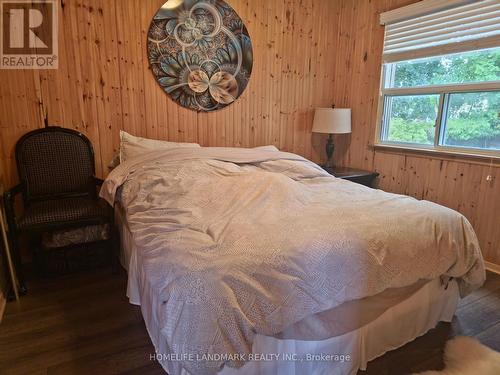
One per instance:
(65, 211)
(76, 236)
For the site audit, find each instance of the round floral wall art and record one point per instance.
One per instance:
(200, 53)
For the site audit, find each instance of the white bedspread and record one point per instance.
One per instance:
(234, 242)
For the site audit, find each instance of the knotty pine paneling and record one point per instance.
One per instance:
(458, 184)
(103, 83)
(307, 53)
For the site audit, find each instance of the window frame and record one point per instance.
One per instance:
(444, 91)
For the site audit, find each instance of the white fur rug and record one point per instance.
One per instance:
(466, 356)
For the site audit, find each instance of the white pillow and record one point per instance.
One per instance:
(266, 148)
(132, 146)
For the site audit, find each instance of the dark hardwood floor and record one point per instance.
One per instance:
(83, 324)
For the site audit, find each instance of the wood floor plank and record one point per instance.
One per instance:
(108, 343)
(130, 359)
(64, 319)
(478, 316)
(151, 369)
(83, 324)
(491, 337)
(491, 286)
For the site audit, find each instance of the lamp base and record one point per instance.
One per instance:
(329, 151)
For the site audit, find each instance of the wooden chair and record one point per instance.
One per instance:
(58, 187)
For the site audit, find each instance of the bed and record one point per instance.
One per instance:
(252, 261)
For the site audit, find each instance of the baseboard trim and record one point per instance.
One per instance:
(492, 267)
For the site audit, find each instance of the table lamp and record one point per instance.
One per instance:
(331, 121)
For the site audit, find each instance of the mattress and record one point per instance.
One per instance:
(361, 329)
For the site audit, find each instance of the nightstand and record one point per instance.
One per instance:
(359, 176)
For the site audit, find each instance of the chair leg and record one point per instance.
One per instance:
(66, 261)
(21, 287)
(21, 290)
(40, 256)
(16, 257)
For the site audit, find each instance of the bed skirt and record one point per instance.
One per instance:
(397, 326)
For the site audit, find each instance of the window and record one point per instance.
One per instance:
(442, 101)
(411, 118)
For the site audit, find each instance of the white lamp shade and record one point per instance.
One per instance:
(332, 120)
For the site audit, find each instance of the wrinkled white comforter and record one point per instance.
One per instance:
(238, 241)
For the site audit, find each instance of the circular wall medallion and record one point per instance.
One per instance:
(200, 53)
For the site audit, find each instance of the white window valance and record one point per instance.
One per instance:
(432, 27)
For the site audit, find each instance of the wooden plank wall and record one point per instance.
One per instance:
(307, 53)
(458, 184)
(103, 83)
